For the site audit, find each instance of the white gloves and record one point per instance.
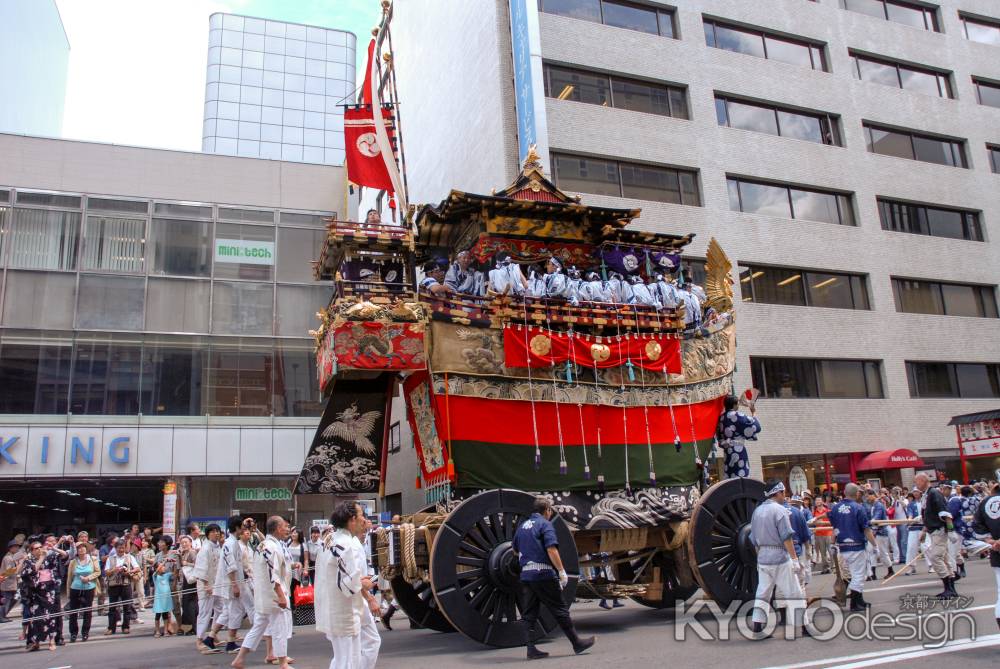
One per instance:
(563, 578)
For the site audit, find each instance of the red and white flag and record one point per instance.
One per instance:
(366, 165)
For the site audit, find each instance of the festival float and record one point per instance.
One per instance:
(610, 409)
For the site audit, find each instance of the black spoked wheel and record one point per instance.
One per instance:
(724, 561)
(676, 585)
(418, 603)
(475, 574)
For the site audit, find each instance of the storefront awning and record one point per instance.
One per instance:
(893, 459)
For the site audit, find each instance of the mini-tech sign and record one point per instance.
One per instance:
(80, 451)
(262, 494)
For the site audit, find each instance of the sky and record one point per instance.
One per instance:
(137, 67)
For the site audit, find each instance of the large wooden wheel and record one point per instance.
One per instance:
(475, 574)
(418, 603)
(724, 561)
(676, 585)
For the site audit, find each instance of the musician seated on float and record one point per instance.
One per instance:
(433, 281)
(665, 292)
(555, 280)
(621, 290)
(594, 290)
(463, 278)
(641, 294)
(536, 281)
(574, 286)
(507, 277)
(692, 307)
(694, 288)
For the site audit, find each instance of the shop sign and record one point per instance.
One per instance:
(983, 429)
(981, 447)
(797, 480)
(263, 494)
(170, 508)
(244, 251)
(80, 451)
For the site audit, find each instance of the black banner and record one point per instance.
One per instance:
(346, 453)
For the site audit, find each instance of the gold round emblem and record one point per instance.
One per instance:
(654, 350)
(541, 345)
(600, 352)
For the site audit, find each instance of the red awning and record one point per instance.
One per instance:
(893, 459)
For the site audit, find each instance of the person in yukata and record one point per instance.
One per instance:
(735, 428)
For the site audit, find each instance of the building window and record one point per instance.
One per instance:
(808, 204)
(239, 378)
(43, 239)
(564, 83)
(297, 307)
(763, 44)
(994, 152)
(39, 300)
(241, 307)
(796, 378)
(621, 179)
(902, 75)
(296, 392)
(294, 246)
(182, 248)
(915, 146)
(944, 299)
(177, 305)
(630, 15)
(930, 220)
(987, 92)
(780, 285)
(953, 379)
(897, 11)
(172, 372)
(34, 374)
(110, 302)
(775, 120)
(979, 29)
(106, 377)
(114, 244)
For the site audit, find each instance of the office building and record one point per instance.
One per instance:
(154, 326)
(34, 51)
(274, 89)
(843, 152)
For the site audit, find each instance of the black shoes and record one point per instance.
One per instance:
(949, 589)
(535, 654)
(858, 603)
(387, 616)
(580, 645)
(891, 572)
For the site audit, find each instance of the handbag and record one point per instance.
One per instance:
(304, 595)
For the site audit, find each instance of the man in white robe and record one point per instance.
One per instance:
(272, 587)
(507, 278)
(339, 601)
(206, 566)
(369, 638)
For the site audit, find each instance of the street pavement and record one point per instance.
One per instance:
(633, 636)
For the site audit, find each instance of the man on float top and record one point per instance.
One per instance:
(433, 281)
(665, 292)
(986, 525)
(880, 552)
(555, 280)
(777, 564)
(507, 278)
(543, 578)
(461, 279)
(852, 531)
(641, 294)
(574, 286)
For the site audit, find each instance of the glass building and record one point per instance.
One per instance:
(34, 50)
(274, 89)
(155, 309)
